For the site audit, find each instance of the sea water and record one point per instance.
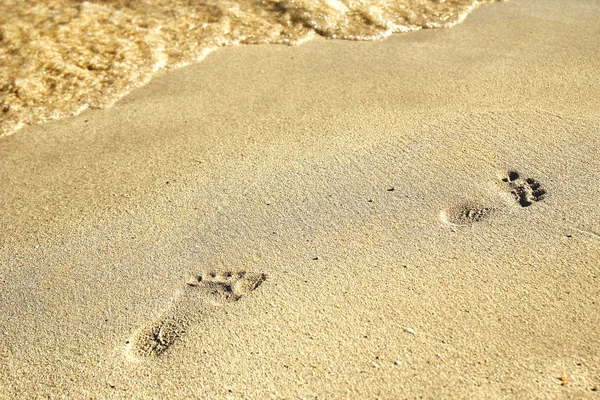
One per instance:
(59, 57)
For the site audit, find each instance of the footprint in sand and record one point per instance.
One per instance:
(465, 214)
(201, 292)
(525, 190)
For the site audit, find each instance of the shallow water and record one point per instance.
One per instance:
(59, 57)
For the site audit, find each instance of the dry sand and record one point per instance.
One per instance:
(364, 188)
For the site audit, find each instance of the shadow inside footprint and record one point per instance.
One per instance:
(465, 214)
(526, 191)
(201, 292)
(228, 286)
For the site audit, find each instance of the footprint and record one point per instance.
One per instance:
(525, 190)
(465, 214)
(201, 292)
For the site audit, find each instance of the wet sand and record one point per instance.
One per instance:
(412, 218)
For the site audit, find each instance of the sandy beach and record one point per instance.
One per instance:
(417, 217)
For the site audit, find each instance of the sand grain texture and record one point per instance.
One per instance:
(391, 192)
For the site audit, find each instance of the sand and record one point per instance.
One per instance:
(412, 218)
